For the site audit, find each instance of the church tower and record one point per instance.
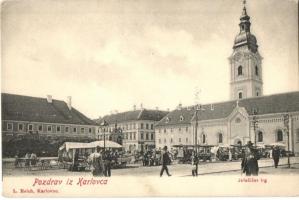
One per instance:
(245, 63)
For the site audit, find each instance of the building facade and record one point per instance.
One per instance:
(25, 117)
(262, 120)
(175, 128)
(132, 129)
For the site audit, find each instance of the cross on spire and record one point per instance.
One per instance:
(244, 3)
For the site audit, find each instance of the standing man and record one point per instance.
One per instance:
(107, 161)
(230, 156)
(250, 160)
(275, 155)
(194, 162)
(165, 161)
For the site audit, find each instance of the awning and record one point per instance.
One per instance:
(108, 144)
(91, 145)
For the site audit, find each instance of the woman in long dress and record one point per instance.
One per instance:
(97, 165)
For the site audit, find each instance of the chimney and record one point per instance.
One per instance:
(49, 98)
(157, 108)
(180, 106)
(69, 102)
(141, 106)
(168, 109)
(134, 107)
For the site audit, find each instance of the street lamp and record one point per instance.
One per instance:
(286, 124)
(198, 108)
(104, 123)
(255, 124)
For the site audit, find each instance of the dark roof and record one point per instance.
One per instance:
(26, 108)
(278, 103)
(144, 114)
(174, 117)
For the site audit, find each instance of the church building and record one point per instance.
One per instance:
(248, 116)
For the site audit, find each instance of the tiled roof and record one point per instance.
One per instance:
(154, 115)
(278, 103)
(26, 108)
(174, 117)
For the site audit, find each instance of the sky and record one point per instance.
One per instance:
(112, 54)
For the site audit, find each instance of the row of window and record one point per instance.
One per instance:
(240, 70)
(240, 94)
(130, 136)
(171, 140)
(130, 127)
(278, 136)
(260, 137)
(168, 119)
(50, 128)
(172, 129)
(147, 136)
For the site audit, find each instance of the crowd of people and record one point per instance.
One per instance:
(102, 161)
(30, 160)
(250, 155)
(151, 158)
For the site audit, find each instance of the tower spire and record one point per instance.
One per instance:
(245, 38)
(246, 77)
(244, 13)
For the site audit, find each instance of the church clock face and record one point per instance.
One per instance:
(238, 56)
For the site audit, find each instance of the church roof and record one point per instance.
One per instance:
(278, 103)
(25, 108)
(144, 114)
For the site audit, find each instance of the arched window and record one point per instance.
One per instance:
(260, 136)
(240, 70)
(220, 138)
(203, 138)
(279, 135)
(256, 71)
(240, 94)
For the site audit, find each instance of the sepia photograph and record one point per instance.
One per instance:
(147, 98)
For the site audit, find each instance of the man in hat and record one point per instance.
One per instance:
(165, 161)
(275, 155)
(250, 160)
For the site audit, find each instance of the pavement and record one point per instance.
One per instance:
(177, 170)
